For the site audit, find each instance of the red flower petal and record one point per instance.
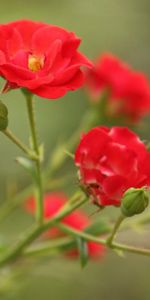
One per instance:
(44, 37)
(77, 220)
(43, 58)
(2, 58)
(50, 92)
(130, 139)
(80, 59)
(51, 54)
(91, 147)
(16, 74)
(121, 160)
(95, 250)
(70, 46)
(129, 92)
(26, 29)
(15, 43)
(20, 59)
(110, 162)
(114, 186)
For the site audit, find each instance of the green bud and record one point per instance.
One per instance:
(134, 201)
(3, 116)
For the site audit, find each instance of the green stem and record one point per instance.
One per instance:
(36, 231)
(39, 187)
(76, 233)
(48, 248)
(19, 143)
(88, 237)
(114, 231)
(131, 249)
(77, 200)
(66, 243)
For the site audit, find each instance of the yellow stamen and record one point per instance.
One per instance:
(35, 63)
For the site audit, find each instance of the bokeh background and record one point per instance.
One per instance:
(117, 26)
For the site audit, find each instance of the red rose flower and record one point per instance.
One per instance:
(128, 90)
(78, 220)
(110, 161)
(40, 57)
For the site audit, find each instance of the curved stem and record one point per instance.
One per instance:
(48, 248)
(39, 187)
(114, 231)
(19, 143)
(131, 249)
(89, 237)
(67, 243)
(76, 201)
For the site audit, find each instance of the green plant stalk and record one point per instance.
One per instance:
(51, 247)
(116, 246)
(26, 239)
(39, 187)
(32, 234)
(68, 244)
(59, 244)
(7, 132)
(115, 229)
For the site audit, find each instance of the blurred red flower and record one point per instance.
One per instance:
(40, 57)
(110, 161)
(53, 202)
(128, 90)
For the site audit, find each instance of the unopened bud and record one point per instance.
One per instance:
(3, 116)
(134, 201)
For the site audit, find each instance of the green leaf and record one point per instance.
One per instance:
(28, 165)
(98, 228)
(83, 251)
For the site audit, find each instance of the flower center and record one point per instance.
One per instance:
(35, 63)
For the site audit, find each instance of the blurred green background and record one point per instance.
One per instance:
(123, 28)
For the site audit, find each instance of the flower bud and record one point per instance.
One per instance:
(134, 201)
(3, 116)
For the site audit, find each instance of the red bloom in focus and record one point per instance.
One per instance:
(40, 57)
(129, 91)
(78, 220)
(110, 161)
